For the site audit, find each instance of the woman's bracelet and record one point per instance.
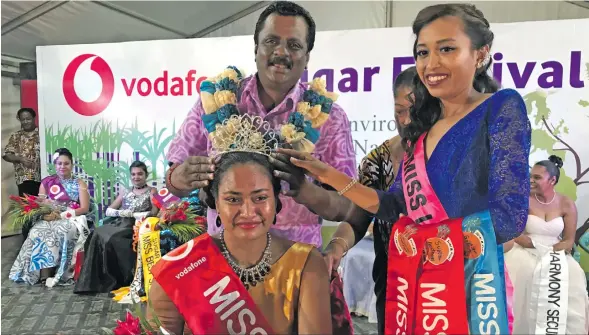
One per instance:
(346, 246)
(348, 187)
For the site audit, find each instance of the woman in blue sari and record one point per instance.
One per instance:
(47, 253)
(467, 160)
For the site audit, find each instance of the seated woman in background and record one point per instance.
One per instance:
(50, 245)
(531, 260)
(109, 259)
(282, 285)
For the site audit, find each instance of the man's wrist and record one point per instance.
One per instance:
(304, 196)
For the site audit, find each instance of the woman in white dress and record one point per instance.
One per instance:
(551, 226)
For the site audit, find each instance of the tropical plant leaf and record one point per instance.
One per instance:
(185, 232)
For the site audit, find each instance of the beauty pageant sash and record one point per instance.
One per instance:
(440, 303)
(440, 300)
(549, 298)
(150, 255)
(164, 198)
(484, 276)
(207, 292)
(404, 262)
(423, 205)
(55, 191)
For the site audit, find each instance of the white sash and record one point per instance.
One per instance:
(550, 293)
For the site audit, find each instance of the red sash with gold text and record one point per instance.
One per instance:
(207, 292)
(435, 297)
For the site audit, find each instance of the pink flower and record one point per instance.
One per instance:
(129, 327)
(74, 205)
(201, 220)
(15, 198)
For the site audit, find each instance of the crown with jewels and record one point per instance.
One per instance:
(229, 131)
(244, 133)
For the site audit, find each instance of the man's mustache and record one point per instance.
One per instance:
(281, 61)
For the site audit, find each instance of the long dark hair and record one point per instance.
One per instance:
(426, 109)
(230, 159)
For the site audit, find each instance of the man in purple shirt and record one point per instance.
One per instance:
(284, 38)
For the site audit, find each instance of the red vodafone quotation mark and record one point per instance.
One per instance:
(108, 86)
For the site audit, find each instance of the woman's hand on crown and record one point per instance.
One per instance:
(315, 168)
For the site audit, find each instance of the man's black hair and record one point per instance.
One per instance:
(287, 8)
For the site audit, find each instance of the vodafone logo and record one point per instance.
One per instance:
(101, 68)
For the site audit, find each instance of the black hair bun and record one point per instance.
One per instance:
(63, 151)
(206, 197)
(556, 160)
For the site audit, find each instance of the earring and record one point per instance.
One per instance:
(218, 222)
(483, 62)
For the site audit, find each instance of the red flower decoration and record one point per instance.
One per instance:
(68, 215)
(34, 205)
(201, 220)
(129, 327)
(27, 209)
(15, 198)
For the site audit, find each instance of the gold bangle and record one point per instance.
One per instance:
(346, 246)
(348, 187)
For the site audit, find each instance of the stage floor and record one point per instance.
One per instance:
(41, 310)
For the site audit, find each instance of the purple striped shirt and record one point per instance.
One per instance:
(335, 147)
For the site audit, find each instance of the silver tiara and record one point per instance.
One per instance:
(244, 133)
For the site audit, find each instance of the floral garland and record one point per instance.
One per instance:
(219, 100)
(301, 131)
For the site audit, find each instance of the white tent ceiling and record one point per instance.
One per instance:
(27, 24)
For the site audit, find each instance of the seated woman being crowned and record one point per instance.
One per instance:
(244, 279)
(47, 253)
(550, 288)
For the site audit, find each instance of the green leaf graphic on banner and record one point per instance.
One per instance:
(96, 150)
(566, 185)
(583, 103)
(549, 138)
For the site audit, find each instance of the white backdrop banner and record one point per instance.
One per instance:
(113, 103)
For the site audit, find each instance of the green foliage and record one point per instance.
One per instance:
(544, 140)
(150, 146)
(185, 231)
(566, 185)
(92, 145)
